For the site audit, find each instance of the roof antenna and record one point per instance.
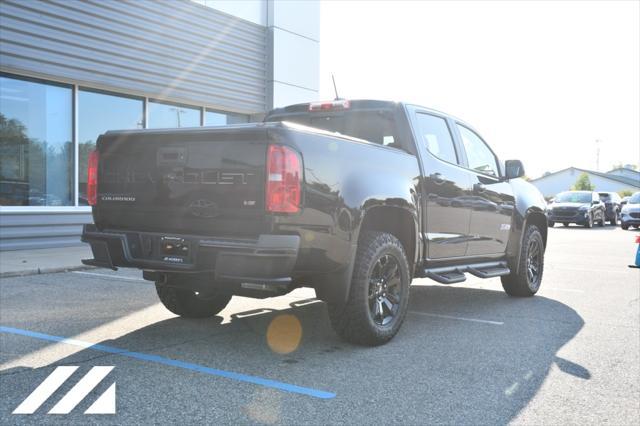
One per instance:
(335, 88)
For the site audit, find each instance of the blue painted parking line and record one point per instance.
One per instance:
(174, 363)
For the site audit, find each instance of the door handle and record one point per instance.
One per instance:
(479, 188)
(437, 178)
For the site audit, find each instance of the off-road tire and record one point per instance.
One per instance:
(353, 320)
(188, 304)
(518, 283)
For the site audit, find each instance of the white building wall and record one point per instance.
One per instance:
(563, 181)
(294, 33)
(294, 45)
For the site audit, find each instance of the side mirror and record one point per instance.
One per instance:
(513, 169)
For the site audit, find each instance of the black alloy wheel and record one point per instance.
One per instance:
(378, 299)
(534, 264)
(525, 277)
(385, 291)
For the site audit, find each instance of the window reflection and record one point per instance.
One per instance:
(214, 118)
(167, 115)
(36, 150)
(97, 113)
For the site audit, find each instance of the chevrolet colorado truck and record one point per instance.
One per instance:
(352, 198)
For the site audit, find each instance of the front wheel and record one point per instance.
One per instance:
(525, 281)
(625, 227)
(379, 294)
(551, 223)
(614, 221)
(190, 304)
(589, 223)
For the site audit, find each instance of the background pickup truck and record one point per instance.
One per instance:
(351, 198)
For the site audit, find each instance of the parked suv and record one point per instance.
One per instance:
(612, 203)
(579, 207)
(630, 214)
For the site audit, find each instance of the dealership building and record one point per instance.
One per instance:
(71, 70)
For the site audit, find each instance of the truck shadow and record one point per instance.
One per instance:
(440, 368)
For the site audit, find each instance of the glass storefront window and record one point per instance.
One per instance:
(36, 144)
(97, 113)
(166, 115)
(214, 118)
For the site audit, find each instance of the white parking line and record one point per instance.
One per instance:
(117, 277)
(457, 318)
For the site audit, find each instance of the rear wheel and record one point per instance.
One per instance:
(602, 221)
(614, 221)
(565, 224)
(625, 227)
(551, 223)
(379, 294)
(589, 223)
(525, 281)
(190, 304)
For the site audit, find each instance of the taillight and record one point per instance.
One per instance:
(92, 178)
(284, 177)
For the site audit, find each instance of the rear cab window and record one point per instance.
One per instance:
(373, 124)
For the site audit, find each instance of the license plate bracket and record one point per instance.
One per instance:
(175, 249)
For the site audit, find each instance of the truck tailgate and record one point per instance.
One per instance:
(206, 181)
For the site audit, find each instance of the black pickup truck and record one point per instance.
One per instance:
(351, 198)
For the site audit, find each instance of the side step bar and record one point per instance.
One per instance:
(456, 274)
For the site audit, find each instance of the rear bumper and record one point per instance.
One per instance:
(269, 259)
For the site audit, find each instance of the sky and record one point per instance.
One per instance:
(541, 81)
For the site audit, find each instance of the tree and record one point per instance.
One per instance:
(583, 183)
(619, 165)
(625, 193)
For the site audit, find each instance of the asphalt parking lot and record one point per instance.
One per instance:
(467, 353)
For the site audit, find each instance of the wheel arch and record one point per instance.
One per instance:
(399, 222)
(533, 217)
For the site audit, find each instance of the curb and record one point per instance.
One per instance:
(39, 271)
